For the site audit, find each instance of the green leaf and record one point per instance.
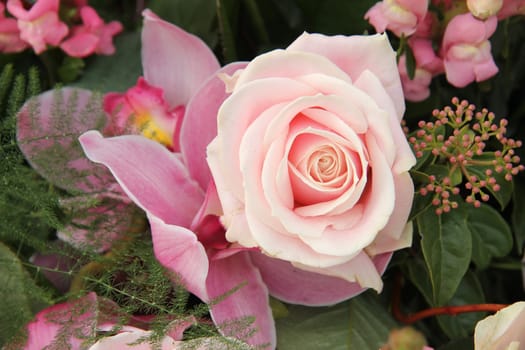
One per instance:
(518, 219)
(361, 323)
(118, 72)
(226, 32)
(419, 276)
(70, 69)
(447, 248)
(491, 235)
(370, 323)
(18, 293)
(410, 62)
(468, 292)
(196, 16)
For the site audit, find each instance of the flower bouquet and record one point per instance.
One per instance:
(258, 175)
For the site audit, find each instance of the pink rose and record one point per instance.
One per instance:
(466, 50)
(505, 330)
(310, 162)
(398, 16)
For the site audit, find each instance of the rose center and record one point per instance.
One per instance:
(326, 164)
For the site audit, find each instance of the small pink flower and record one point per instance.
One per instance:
(143, 110)
(416, 89)
(94, 36)
(398, 16)
(40, 24)
(10, 40)
(466, 50)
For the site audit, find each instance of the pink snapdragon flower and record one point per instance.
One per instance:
(428, 65)
(93, 36)
(399, 16)
(40, 25)
(10, 40)
(466, 49)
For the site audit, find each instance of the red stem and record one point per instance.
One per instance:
(442, 310)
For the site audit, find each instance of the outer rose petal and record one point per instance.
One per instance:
(153, 177)
(189, 59)
(250, 300)
(297, 286)
(355, 54)
(199, 125)
(178, 249)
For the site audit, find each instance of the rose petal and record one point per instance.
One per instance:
(354, 54)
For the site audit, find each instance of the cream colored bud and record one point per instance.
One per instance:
(483, 9)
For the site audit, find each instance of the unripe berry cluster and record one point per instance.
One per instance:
(471, 145)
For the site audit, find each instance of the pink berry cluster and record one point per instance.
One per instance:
(457, 141)
(71, 25)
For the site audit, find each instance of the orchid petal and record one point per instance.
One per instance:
(189, 59)
(178, 249)
(293, 285)
(250, 300)
(153, 177)
(199, 126)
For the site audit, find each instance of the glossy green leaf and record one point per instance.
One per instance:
(468, 292)
(361, 323)
(447, 248)
(518, 215)
(491, 235)
(418, 274)
(370, 323)
(196, 16)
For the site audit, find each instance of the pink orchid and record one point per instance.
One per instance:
(74, 324)
(399, 16)
(94, 36)
(143, 110)
(466, 49)
(40, 25)
(177, 193)
(10, 40)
